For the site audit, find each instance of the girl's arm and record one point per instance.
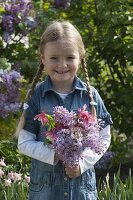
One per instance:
(89, 157)
(28, 145)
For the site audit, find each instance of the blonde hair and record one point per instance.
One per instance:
(62, 31)
(58, 30)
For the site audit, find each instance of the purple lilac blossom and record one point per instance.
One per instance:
(105, 161)
(63, 4)
(63, 116)
(18, 19)
(10, 84)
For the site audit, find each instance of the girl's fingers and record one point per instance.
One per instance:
(73, 172)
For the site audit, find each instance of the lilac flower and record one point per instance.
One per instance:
(10, 84)
(6, 36)
(8, 23)
(70, 133)
(63, 116)
(105, 161)
(63, 4)
(18, 19)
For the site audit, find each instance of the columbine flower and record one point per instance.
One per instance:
(17, 177)
(85, 117)
(1, 172)
(70, 133)
(27, 178)
(42, 118)
(11, 175)
(2, 163)
(8, 182)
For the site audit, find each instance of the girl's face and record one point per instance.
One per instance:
(61, 60)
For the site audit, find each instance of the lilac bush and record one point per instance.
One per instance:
(10, 84)
(18, 19)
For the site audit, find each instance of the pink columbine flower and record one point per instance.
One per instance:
(2, 163)
(51, 136)
(42, 117)
(11, 175)
(27, 178)
(16, 177)
(8, 182)
(1, 172)
(85, 116)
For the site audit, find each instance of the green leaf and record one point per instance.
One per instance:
(2, 10)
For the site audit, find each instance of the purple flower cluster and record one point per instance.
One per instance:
(105, 161)
(71, 133)
(61, 114)
(10, 83)
(18, 19)
(63, 4)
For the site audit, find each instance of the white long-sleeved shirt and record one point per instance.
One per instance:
(28, 145)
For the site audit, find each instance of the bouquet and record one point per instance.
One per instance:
(69, 133)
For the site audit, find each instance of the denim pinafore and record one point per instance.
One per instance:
(49, 182)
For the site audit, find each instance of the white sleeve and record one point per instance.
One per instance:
(28, 145)
(89, 157)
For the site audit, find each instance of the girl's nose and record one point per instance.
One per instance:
(62, 63)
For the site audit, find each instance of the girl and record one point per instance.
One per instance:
(62, 51)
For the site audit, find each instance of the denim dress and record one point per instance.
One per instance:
(49, 182)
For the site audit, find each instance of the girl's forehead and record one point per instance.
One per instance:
(61, 45)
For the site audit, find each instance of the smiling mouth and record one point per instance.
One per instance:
(64, 72)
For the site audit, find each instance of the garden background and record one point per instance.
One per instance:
(107, 31)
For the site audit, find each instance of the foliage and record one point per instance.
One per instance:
(13, 185)
(121, 189)
(8, 150)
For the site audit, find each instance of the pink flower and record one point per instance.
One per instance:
(1, 173)
(8, 182)
(11, 175)
(50, 136)
(85, 117)
(27, 178)
(14, 176)
(2, 163)
(42, 117)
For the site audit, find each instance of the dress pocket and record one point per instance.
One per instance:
(43, 184)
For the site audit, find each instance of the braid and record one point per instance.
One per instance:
(28, 96)
(35, 80)
(93, 110)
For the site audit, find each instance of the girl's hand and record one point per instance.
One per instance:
(57, 157)
(73, 172)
